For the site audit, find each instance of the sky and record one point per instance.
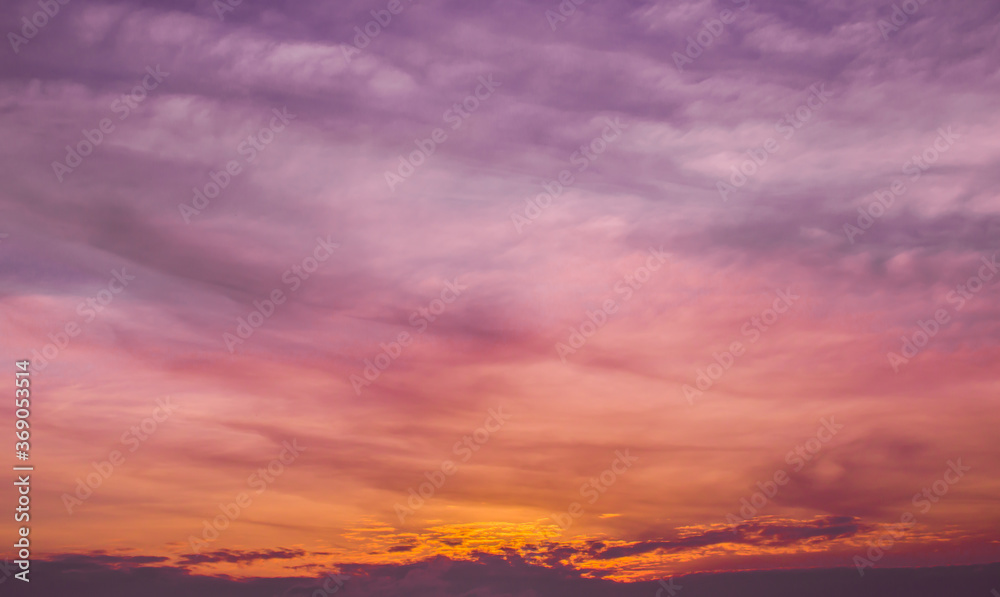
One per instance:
(504, 297)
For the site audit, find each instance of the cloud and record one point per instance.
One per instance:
(493, 576)
(240, 557)
(656, 186)
(764, 533)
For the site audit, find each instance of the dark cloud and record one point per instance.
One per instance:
(493, 576)
(753, 532)
(401, 548)
(240, 557)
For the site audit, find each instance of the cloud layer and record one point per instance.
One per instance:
(690, 232)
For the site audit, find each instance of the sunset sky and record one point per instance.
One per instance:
(622, 290)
